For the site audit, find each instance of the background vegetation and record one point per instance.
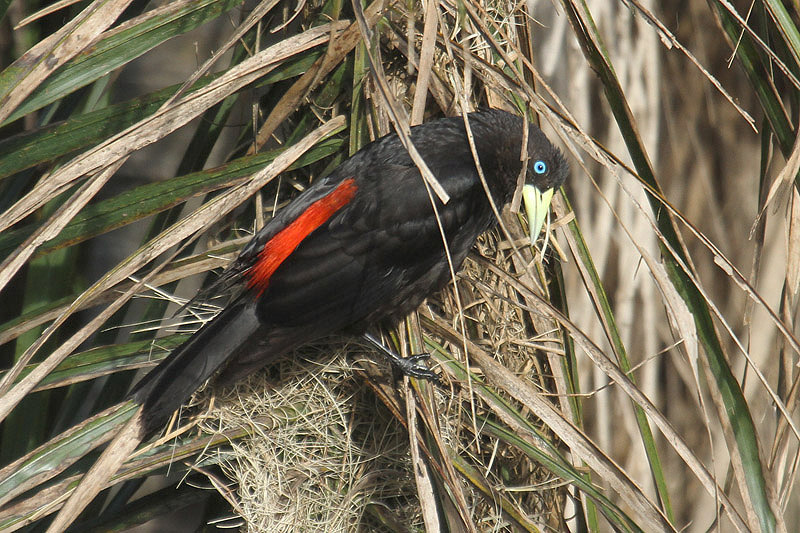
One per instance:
(642, 376)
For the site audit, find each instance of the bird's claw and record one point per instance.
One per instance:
(413, 366)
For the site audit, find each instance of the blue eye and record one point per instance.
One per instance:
(540, 167)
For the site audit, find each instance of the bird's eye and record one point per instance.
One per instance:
(540, 167)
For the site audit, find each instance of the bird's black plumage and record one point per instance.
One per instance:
(360, 245)
(377, 253)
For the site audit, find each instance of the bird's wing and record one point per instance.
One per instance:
(233, 280)
(377, 253)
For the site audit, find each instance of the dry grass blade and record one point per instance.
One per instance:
(49, 230)
(779, 188)
(259, 12)
(746, 28)
(98, 475)
(48, 449)
(728, 267)
(678, 314)
(10, 395)
(396, 113)
(341, 45)
(546, 410)
(646, 511)
(669, 40)
(49, 54)
(52, 497)
(214, 258)
(70, 208)
(424, 69)
(166, 120)
(422, 475)
(196, 222)
(52, 8)
(612, 370)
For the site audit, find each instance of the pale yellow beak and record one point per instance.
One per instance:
(537, 205)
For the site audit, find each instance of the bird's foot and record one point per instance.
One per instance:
(414, 367)
(411, 366)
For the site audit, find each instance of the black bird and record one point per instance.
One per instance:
(359, 246)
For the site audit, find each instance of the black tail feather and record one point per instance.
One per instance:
(175, 379)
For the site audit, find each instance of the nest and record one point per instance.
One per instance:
(328, 446)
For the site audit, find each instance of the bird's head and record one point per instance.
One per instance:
(545, 172)
(499, 138)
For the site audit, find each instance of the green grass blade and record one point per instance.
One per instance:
(605, 313)
(61, 452)
(153, 198)
(758, 74)
(675, 257)
(103, 360)
(119, 46)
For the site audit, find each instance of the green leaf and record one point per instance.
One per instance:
(59, 453)
(118, 47)
(104, 360)
(676, 263)
(152, 198)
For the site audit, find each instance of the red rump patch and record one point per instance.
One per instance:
(281, 246)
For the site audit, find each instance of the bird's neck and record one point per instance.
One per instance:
(501, 152)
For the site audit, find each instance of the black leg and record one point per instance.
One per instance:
(410, 366)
